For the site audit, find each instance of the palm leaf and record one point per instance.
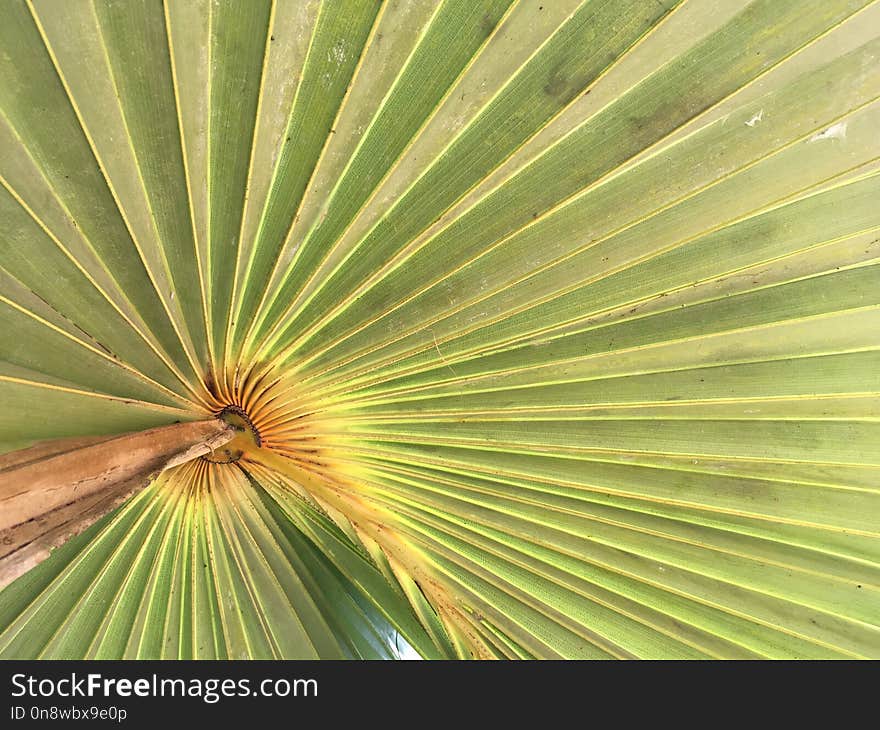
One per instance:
(534, 330)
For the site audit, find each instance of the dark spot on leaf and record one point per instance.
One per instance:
(557, 83)
(211, 383)
(487, 24)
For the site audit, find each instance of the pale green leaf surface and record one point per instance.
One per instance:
(559, 323)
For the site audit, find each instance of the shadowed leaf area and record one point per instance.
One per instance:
(534, 330)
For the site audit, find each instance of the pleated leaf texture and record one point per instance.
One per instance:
(550, 328)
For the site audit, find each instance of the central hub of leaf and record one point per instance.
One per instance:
(247, 437)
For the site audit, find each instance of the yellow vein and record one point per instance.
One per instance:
(200, 265)
(257, 319)
(124, 584)
(215, 542)
(336, 310)
(482, 470)
(179, 328)
(597, 319)
(154, 348)
(96, 350)
(417, 526)
(261, 88)
(547, 150)
(469, 388)
(394, 165)
(456, 478)
(570, 255)
(147, 512)
(462, 492)
(93, 394)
